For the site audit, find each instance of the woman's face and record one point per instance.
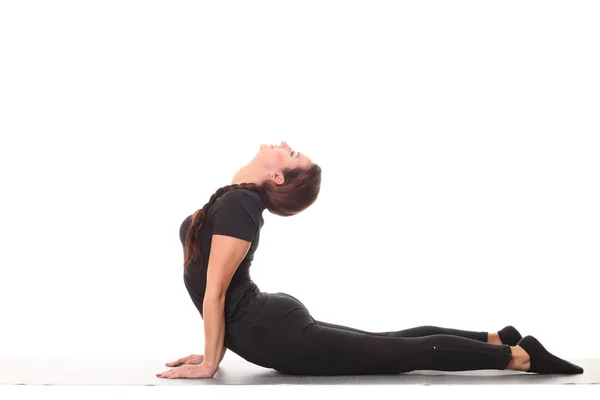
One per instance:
(277, 158)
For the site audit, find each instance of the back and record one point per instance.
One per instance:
(236, 213)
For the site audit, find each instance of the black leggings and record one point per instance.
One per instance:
(285, 337)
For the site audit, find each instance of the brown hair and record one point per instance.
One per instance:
(299, 191)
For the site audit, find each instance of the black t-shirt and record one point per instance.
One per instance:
(236, 213)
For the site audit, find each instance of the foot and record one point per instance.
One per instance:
(520, 360)
(542, 361)
(507, 335)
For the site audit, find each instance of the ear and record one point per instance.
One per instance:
(277, 177)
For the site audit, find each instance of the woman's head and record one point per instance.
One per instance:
(270, 161)
(289, 182)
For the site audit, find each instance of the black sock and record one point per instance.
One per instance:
(509, 335)
(543, 362)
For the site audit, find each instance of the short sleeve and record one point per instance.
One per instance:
(236, 214)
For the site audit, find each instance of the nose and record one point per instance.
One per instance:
(284, 144)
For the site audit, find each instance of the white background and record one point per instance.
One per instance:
(458, 140)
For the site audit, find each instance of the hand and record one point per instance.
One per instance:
(192, 359)
(189, 371)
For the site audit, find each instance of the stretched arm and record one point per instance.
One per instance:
(223, 351)
(214, 330)
(226, 253)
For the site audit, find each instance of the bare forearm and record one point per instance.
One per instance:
(223, 353)
(214, 330)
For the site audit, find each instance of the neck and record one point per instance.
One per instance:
(246, 174)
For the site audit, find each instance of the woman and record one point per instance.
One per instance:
(275, 330)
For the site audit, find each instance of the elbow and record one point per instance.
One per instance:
(214, 297)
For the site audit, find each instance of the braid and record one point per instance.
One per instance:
(192, 236)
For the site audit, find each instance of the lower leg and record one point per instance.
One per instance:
(511, 336)
(420, 331)
(454, 353)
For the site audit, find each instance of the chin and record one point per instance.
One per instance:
(261, 153)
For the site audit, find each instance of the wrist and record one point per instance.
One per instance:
(212, 366)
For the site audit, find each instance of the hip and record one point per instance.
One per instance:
(276, 331)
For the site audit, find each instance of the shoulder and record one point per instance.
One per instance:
(237, 200)
(239, 197)
(237, 213)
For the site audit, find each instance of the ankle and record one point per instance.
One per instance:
(520, 360)
(494, 338)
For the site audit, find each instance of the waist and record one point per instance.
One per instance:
(239, 292)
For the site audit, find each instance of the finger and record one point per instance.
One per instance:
(166, 374)
(180, 361)
(162, 374)
(171, 373)
(176, 362)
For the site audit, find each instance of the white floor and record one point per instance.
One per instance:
(65, 372)
(304, 392)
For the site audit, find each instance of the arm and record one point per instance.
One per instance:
(222, 354)
(226, 253)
